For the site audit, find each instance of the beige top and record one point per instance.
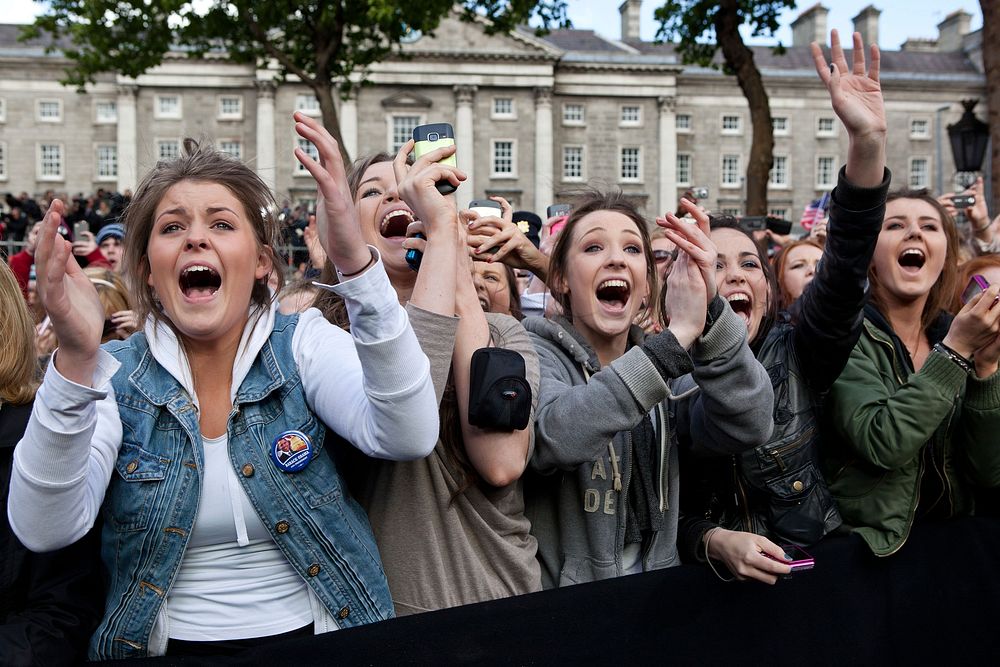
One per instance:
(439, 551)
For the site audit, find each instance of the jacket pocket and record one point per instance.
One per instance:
(135, 484)
(582, 570)
(800, 508)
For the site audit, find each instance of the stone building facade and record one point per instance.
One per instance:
(535, 118)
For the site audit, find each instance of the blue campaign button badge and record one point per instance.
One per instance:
(291, 451)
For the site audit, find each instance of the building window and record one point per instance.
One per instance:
(310, 150)
(824, 172)
(107, 162)
(503, 108)
(50, 162)
(167, 106)
(50, 111)
(780, 213)
(780, 125)
(504, 159)
(3, 161)
(232, 147)
(683, 169)
(307, 104)
(630, 116)
(572, 163)
(919, 172)
(106, 111)
(734, 211)
(731, 171)
(168, 149)
(402, 131)
(630, 168)
(778, 177)
(732, 124)
(826, 127)
(230, 107)
(3, 110)
(573, 114)
(683, 122)
(920, 128)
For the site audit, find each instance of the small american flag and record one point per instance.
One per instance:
(815, 211)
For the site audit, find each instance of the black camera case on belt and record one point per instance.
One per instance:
(499, 394)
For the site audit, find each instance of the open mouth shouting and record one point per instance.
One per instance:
(742, 305)
(394, 224)
(199, 282)
(613, 294)
(912, 260)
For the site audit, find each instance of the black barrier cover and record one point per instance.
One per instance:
(936, 601)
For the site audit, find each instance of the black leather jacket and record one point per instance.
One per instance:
(777, 489)
(49, 603)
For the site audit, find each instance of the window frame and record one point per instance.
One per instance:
(582, 122)
(909, 171)
(638, 166)
(622, 122)
(39, 150)
(583, 157)
(310, 149)
(773, 185)
(690, 169)
(785, 131)
(494, 174)
(510, 115)
(98, 177)
(161, 141)
(826, 134)
(158, 112)
(740, 171)
(104, 120)
(48, 100)
(390, 128)
(927, 126)
(731, 132)
(3, 160)
(232, 140)
(3, 109)
(833, 172)
(686, 129)
(309, 111)
(220, 114)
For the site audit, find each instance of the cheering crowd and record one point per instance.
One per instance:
(208, 459)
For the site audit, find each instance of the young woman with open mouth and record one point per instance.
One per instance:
(212, 540)
(916, 411)
(794, 268)
(744, 507)
(605, 501)
(450, 527)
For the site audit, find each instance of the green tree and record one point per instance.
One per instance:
(701, 28)
(319, 41)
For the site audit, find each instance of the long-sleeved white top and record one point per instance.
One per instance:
(371, 386)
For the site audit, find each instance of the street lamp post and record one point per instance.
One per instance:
(969, 137)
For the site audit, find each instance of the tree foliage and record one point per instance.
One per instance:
(322, 42)
(700, 29)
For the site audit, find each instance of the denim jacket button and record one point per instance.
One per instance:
(131, 467)
(281, 527)
(313, 571)
(247, 470)
(344, 613)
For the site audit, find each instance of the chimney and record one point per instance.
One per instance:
(866, 22)
(951, 31)
(629, 11)
(810, 26)
(918, 45)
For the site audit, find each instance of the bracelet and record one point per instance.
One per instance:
(364, 268)
(957, 359)
(976, 230)
(706, 538)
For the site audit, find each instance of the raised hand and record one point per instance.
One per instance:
(417, 185)
(856, 96)
(339, 225)
(70, 300)
(695, 240)
(685, 303)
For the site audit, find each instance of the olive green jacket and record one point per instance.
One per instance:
(890, 428)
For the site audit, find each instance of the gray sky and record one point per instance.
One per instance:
(900, 18)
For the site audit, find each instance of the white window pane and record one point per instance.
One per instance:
(779, 171)
(630, 115)
(824, 171)
(683, 168)
(107, 161)
(169, 105)
(49, 110)
(503, 157)
(234, 148)
(307, 103)
(310, 150)
(918, 173)
(573, 113)
(3, 160)
(731, 170)
(503, 106)
(402, 130)
(51, 160)
(731, 123)
(683, 121)
(169, 149)
(572, 163)
(630, 164)
(107, 111)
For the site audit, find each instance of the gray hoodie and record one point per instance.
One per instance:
(582, 464)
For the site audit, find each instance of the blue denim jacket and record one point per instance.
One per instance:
(152, 500)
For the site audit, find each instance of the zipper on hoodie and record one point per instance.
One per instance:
(664, 502)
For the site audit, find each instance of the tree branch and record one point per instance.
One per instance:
(273, 51)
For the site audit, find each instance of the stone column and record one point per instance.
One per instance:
(349, 123)
(128, 153)
(543, 149)
(266, 163)
(465, 136)
(667, 199)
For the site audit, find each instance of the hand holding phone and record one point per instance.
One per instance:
(432, 136)
(800, 559)
(977, 284)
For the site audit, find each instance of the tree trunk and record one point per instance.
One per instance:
(331, 121)
(991, 65)
(740, 60)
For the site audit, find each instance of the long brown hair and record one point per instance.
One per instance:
(589, 201)
(202, 163)
(18, 363)
(943, 291)
(781, 265)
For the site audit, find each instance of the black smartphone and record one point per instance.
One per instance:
(431, 137)
(556, 210)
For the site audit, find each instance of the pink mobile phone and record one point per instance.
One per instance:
(801, 560)
(976, 285)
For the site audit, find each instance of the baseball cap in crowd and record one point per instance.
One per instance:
(113, 230)
(529, 224)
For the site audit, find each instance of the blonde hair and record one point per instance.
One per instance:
(111, 292)
(18, 363)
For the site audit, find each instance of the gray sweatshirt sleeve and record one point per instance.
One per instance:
(576, 420)
(733, 411)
